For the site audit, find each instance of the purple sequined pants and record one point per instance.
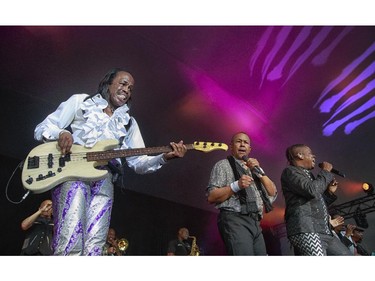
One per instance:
(82, 213)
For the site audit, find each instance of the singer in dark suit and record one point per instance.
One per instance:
(306, 214)
(240, 189)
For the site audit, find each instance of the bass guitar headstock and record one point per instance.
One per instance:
(206, 146)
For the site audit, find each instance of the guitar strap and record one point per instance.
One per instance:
(127, 126)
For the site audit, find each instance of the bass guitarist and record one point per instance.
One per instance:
(82, 209)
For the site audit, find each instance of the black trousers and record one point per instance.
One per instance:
(242, 234)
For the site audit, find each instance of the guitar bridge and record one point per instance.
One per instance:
(33, 162)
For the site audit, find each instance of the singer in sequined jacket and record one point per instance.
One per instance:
(306, 198)
(306, 210)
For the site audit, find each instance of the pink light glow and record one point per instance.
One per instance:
(234, 114)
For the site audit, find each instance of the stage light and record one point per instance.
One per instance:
(368, 188)
(360, 218)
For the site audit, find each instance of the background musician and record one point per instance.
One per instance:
(39, 231)
(180, 246)
(111, 247)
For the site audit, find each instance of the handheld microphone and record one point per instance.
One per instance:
(256, 168)
(334, 171)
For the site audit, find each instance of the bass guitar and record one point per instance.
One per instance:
(45, 167)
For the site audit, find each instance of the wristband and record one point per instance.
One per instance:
(235, 187)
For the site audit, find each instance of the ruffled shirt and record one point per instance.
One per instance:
(90, 124)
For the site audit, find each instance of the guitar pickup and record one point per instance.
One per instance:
(50, 161)
(61, 162)
(63, 159)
